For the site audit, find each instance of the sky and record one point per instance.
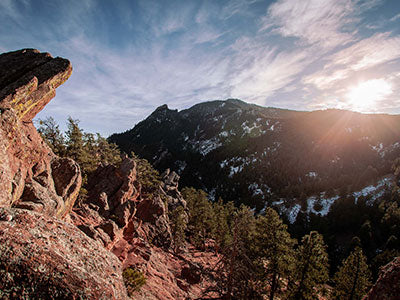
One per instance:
(130, 57)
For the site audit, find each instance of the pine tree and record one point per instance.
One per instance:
(87, 149)
(223, 215)
(75, 143)
(201, 218)
(51, 133)
(107, 152)
(90, 158)
(311, 268)
(273, 251)
(353, 277)
(178, 227)
(147, 176)
(235, 273)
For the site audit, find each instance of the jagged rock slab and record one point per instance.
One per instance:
(45, 258)
(31, 176)
(28, 80)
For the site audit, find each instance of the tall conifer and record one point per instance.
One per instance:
(353, 277)
(311, 268)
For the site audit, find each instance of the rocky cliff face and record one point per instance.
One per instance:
(42, 256)
(31, 176)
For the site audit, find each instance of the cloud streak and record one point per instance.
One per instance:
(132, 57)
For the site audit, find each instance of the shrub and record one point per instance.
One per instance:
(133, 279)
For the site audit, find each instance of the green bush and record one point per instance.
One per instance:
(133, 279)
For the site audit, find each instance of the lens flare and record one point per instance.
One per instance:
(365, 95)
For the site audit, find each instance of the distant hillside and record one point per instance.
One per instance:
(257, 155)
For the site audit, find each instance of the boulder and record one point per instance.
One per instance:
(42, 257)
(154, 214)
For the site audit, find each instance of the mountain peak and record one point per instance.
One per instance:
(162, 107)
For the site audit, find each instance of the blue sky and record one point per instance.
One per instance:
(131, 56)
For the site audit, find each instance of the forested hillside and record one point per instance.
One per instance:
(255, 155)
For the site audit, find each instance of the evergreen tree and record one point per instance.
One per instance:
(87, 149)
(147, 176)
(223, 215)
(178, 226)
(272, 248)
(236, 273)
(311, 269)
(90, 158)
(51, 133)
(353, 277)
(201, 216)
(107, 152)
(74, 142)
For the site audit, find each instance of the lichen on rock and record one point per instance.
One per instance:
(31, 175)
(46, 258)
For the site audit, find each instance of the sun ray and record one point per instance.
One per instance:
(365, 95)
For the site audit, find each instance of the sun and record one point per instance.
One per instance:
(365, 95)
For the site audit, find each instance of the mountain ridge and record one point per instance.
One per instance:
(223, 138)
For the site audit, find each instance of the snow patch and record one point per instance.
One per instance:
(293, 212)
(224, 134)
(181, 166)
(375, 191)
(206, 146)
(257, 189)
(236, 164)
(325, 203)
(312, 174)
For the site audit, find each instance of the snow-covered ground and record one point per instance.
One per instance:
(375, 191)
(206, 146)
(324, 202)
(236, 164)
(257, 189)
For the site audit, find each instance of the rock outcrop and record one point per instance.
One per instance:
(170, 182)
(111, 202)
(135, 227)
(31, 176)
(41, 256)
(50, 250)
(45, 258)
(116, 212)
(387, 287)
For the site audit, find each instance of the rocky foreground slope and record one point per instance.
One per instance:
(50, 250)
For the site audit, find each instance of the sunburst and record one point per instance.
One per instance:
(365, 95)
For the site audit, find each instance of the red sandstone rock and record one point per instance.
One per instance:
(387, 287)
(44, 258)
(31, 176)
(164, 275)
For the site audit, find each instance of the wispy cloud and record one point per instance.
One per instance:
(133, 56)
(368, 53)
(327, 23)
(395, 18)
(267, 72)
(312, 21)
